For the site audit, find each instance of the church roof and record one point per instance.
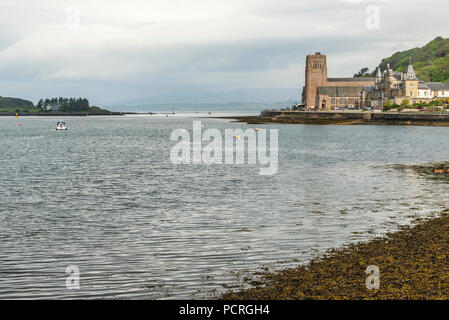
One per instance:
(411, 75)
(363, 79)
(340, 91)
(379, 74)
(397, 75)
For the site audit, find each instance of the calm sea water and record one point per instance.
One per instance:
(105, 197)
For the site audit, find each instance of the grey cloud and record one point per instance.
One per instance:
(148, 48)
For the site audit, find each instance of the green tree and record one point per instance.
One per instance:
(405, 103)
(67, 104)
(388, 105)
(40, 104)
(362, 73)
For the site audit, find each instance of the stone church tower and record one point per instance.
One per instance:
(316, 76)
(321, 92)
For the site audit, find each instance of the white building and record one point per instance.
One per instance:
(52, 107)
(424, 92)
(439, 90)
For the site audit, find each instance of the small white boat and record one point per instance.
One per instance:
(61, 126)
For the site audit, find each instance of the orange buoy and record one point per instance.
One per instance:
(439, 171)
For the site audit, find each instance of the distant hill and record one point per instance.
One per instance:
(15, 103)
(240, 96)
(431, 62)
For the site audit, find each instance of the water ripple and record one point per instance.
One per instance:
(106, 198)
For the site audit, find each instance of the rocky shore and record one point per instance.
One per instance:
(413, 264)
(346, 118)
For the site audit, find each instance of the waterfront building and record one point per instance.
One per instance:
(321, 92)
(397, 87)
(439, 90)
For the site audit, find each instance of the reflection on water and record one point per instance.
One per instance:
(105, 197)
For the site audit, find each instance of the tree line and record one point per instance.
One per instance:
(65, 104)
(364, 72)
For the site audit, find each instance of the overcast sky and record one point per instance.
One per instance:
(110, 50)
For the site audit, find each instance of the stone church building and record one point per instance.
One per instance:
(321, 92)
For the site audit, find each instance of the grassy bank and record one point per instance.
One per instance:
(413, 263)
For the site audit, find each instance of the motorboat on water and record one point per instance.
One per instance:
(61, 125)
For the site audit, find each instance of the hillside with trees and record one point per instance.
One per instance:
(431, 62)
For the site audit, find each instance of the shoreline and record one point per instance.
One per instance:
(258, 120)
(58, 114)
(344, 118)
(413, 264)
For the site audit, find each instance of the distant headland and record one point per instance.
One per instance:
(51, 107)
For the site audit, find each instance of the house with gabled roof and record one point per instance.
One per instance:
(396, 87)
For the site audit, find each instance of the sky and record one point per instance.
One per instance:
(112, 51)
